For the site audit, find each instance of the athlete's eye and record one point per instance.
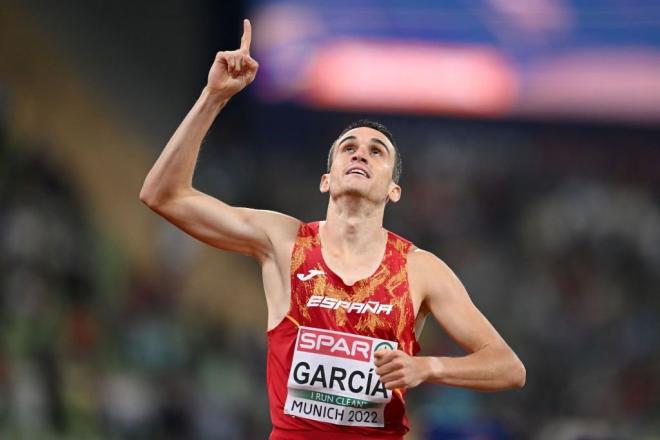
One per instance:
(376, 152)
(349, 148)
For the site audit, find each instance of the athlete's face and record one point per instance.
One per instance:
(363, 161)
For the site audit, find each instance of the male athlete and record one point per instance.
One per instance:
(346, 298)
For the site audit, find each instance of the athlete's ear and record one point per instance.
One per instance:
(325, 183)
(394, 195)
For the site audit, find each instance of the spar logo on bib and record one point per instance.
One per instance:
(335, 344)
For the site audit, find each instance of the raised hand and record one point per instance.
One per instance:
(232, 71)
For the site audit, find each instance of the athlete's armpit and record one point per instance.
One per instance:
(251, 232)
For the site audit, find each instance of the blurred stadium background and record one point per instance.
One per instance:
(530, 136)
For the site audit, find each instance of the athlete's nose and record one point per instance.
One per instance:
(359, 156)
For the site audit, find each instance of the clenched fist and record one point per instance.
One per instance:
(400, 370)
(232, 71)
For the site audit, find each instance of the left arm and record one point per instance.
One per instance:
(491, 365)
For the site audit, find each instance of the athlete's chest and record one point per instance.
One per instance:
(352, 268)
(377, 305)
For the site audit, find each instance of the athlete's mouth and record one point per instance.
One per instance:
(359, 171)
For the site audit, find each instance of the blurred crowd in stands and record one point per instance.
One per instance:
(554, 230)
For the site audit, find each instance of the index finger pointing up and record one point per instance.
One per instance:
(246, 39)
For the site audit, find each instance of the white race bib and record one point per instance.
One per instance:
(333, 378)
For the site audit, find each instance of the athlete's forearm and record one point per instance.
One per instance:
(172, 174)
(489, 369)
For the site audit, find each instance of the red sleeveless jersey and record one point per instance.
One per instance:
(377, 307)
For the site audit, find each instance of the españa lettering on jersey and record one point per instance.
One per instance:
(327, 302)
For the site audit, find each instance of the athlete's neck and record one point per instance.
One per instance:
(353, 226)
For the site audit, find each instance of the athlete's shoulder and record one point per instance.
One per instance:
(280, 229)
(431, 278)
(273, 221)
(402, 244)
(428, 266)
(425, 259)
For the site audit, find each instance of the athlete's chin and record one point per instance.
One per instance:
(359, 192)
(355, 192)
(351, 190)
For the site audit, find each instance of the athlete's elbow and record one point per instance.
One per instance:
(154, 200)
(512, 373)
(517, 375)
(154, 196)
(148, 197)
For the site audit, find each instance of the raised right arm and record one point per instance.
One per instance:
(168, 188)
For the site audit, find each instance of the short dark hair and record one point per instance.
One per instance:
(396, 172)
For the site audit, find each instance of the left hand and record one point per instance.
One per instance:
(400, 370)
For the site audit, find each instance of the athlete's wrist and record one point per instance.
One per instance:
(214, 97)
(434, 369)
